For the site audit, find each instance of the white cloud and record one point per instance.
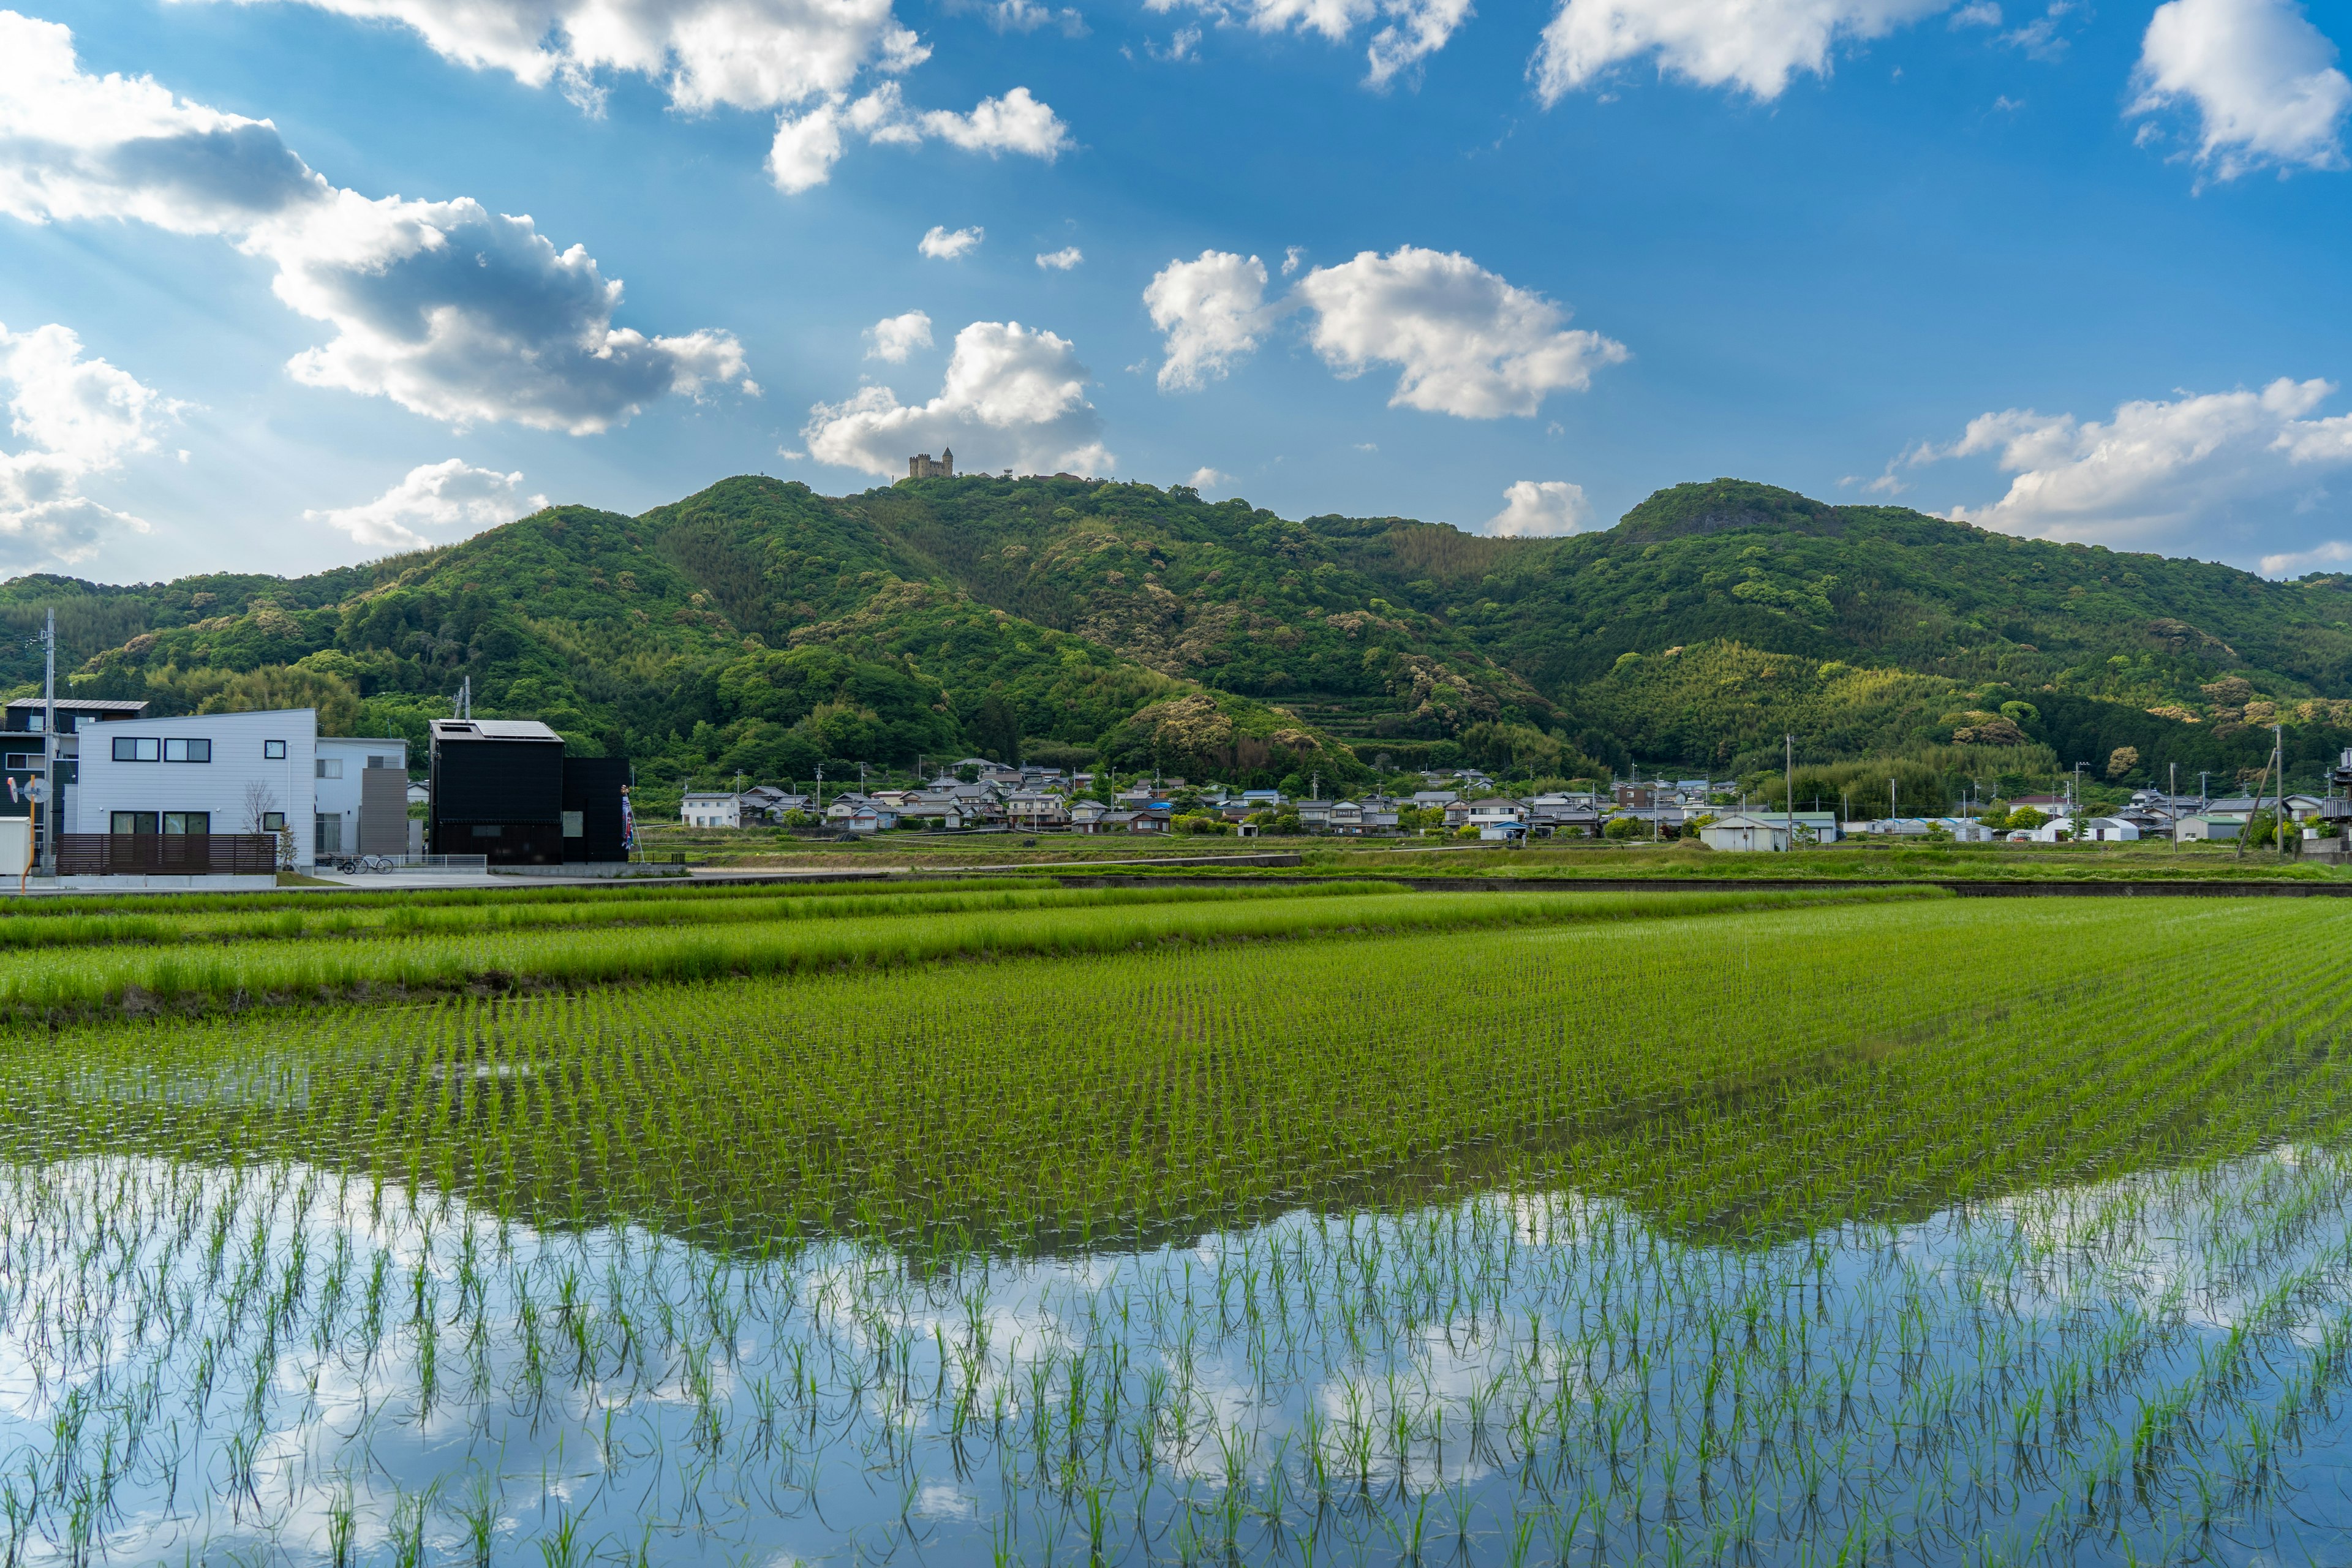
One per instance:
(1754, 45)
(1061, 260)
(2262, 79)
(1413, 29)
(806, 148)
(450, 310)
(1291, 257)
(2156, 473)
(1541, 509)
(895, 337)
(740, 53)
(1209, 479)
(1212, 310)
(1465, 341)
(438, 497)
(1027, 17)
(1014, 123)
(74, 417)
(943, 243)
(2296, 562)
(1012, 398)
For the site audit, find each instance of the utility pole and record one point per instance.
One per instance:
(1789, 784)
(2172, 799)
(2278, 821)
(48, 793)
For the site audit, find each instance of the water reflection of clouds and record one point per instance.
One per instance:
(1398, 1382)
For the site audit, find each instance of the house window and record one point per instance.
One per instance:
(379, 761)
(23, 762)
(131, 822)
(273, 751)
(187, 822)
(327, 835)
(273, 821)
(330, 767)
(137, 749)
(187, 751)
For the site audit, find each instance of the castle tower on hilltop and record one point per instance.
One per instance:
(921, 466)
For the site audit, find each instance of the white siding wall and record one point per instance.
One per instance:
(341, 797)
(108, 786)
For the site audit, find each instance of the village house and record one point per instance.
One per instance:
(1036, 810)
(710, 808)
(1742, 832)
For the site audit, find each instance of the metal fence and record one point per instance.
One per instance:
(166, 853)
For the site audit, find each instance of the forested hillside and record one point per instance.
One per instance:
(760, 626)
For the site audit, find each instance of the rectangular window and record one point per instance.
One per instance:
(273, 821)
(274, 751)
(187, 822)
(327, 835)
(23, 762)
(379, 761)
(137, 749)
(178, 750)
(132, 822)
(330, 767)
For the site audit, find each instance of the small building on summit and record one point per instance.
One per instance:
(922, 466)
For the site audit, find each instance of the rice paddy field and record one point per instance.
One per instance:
(1283, 1224)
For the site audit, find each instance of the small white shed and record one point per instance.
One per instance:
(1737, 832)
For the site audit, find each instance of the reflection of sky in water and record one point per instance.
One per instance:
(284, 1363)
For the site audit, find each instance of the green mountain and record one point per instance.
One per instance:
(761, 627)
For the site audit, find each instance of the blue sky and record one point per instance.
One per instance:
(2067, 270)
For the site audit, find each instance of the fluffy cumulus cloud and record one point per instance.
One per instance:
(433, 498)
(804, 59)
(1541, 509)
(894, 337)
(745, 54)
(1406, 32)
(444, 307)
(2170, 473)
(940, 243)
(72, 417)
(1213, 311)
(1754, 45)
(2259, 80)
(807, 146)
(1013, 398)
(1465, 342)
(1063, 261)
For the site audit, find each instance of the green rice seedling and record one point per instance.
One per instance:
(1773, 1234)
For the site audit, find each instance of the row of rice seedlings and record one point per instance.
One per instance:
(722, 907)
(1072, 1101)
(76, 921)
(205, 1361)
(314, 1298)
(909, 928)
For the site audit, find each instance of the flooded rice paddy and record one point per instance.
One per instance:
(280, 1363)
(1365, 1231)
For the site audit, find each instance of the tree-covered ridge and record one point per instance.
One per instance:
(758, 625)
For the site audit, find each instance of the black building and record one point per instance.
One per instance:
(23, 754)
(504, 789)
